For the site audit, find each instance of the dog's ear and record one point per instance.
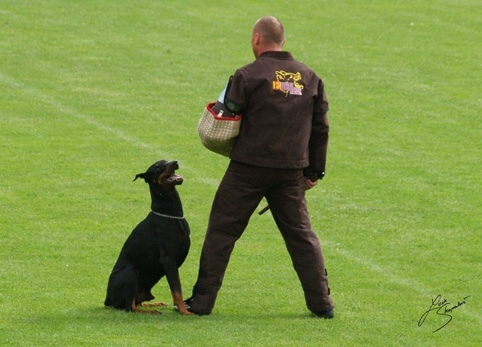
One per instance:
(141, 175)
(153, 171)
(147, 176)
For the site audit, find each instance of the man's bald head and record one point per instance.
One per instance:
(268, 35)
(271, 29)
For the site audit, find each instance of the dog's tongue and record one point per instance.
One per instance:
(173, 179)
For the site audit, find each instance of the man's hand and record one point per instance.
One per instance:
(309, 183)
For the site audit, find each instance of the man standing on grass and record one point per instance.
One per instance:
(279, 153)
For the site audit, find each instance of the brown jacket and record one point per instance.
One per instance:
(284, 107)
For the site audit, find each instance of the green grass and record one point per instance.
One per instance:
(93, 92)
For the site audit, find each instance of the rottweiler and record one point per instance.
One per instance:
(156, 247)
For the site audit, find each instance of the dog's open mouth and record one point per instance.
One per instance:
(172, 179)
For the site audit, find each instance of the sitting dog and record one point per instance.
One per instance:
(156, 247)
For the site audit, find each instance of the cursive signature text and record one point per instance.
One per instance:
(441, 307)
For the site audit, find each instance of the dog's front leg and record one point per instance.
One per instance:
(172, 274)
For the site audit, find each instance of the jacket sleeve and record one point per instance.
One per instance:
(318, 143)
(235, 97)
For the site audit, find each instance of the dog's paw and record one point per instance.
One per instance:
(154, 312)
(155, 304)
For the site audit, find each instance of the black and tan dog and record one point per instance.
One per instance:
(156, 247)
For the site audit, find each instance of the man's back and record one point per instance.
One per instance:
(278, 97)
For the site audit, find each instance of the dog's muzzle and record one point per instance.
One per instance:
(173, 179)
(163, 170)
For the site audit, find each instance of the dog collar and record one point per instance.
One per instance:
(166, 215)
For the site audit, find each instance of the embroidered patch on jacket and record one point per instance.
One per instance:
(288, 83)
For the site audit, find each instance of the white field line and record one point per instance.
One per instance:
(415, 286)
(31, 92)
(35, 93)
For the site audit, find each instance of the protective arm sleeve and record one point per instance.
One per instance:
(318, 144)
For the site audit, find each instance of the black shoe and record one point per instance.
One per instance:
(199, 313)
(188, 303)
(326, 314)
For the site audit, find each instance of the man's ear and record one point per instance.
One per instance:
(257, 38)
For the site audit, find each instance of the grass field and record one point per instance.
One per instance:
(93, 92)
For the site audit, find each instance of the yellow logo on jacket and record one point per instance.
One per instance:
(288, 83)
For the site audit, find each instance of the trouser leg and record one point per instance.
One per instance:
(293, 221)
(233, 205)
(214, 260)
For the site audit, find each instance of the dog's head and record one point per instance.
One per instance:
(162, 173)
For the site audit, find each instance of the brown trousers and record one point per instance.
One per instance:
(239, 194)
